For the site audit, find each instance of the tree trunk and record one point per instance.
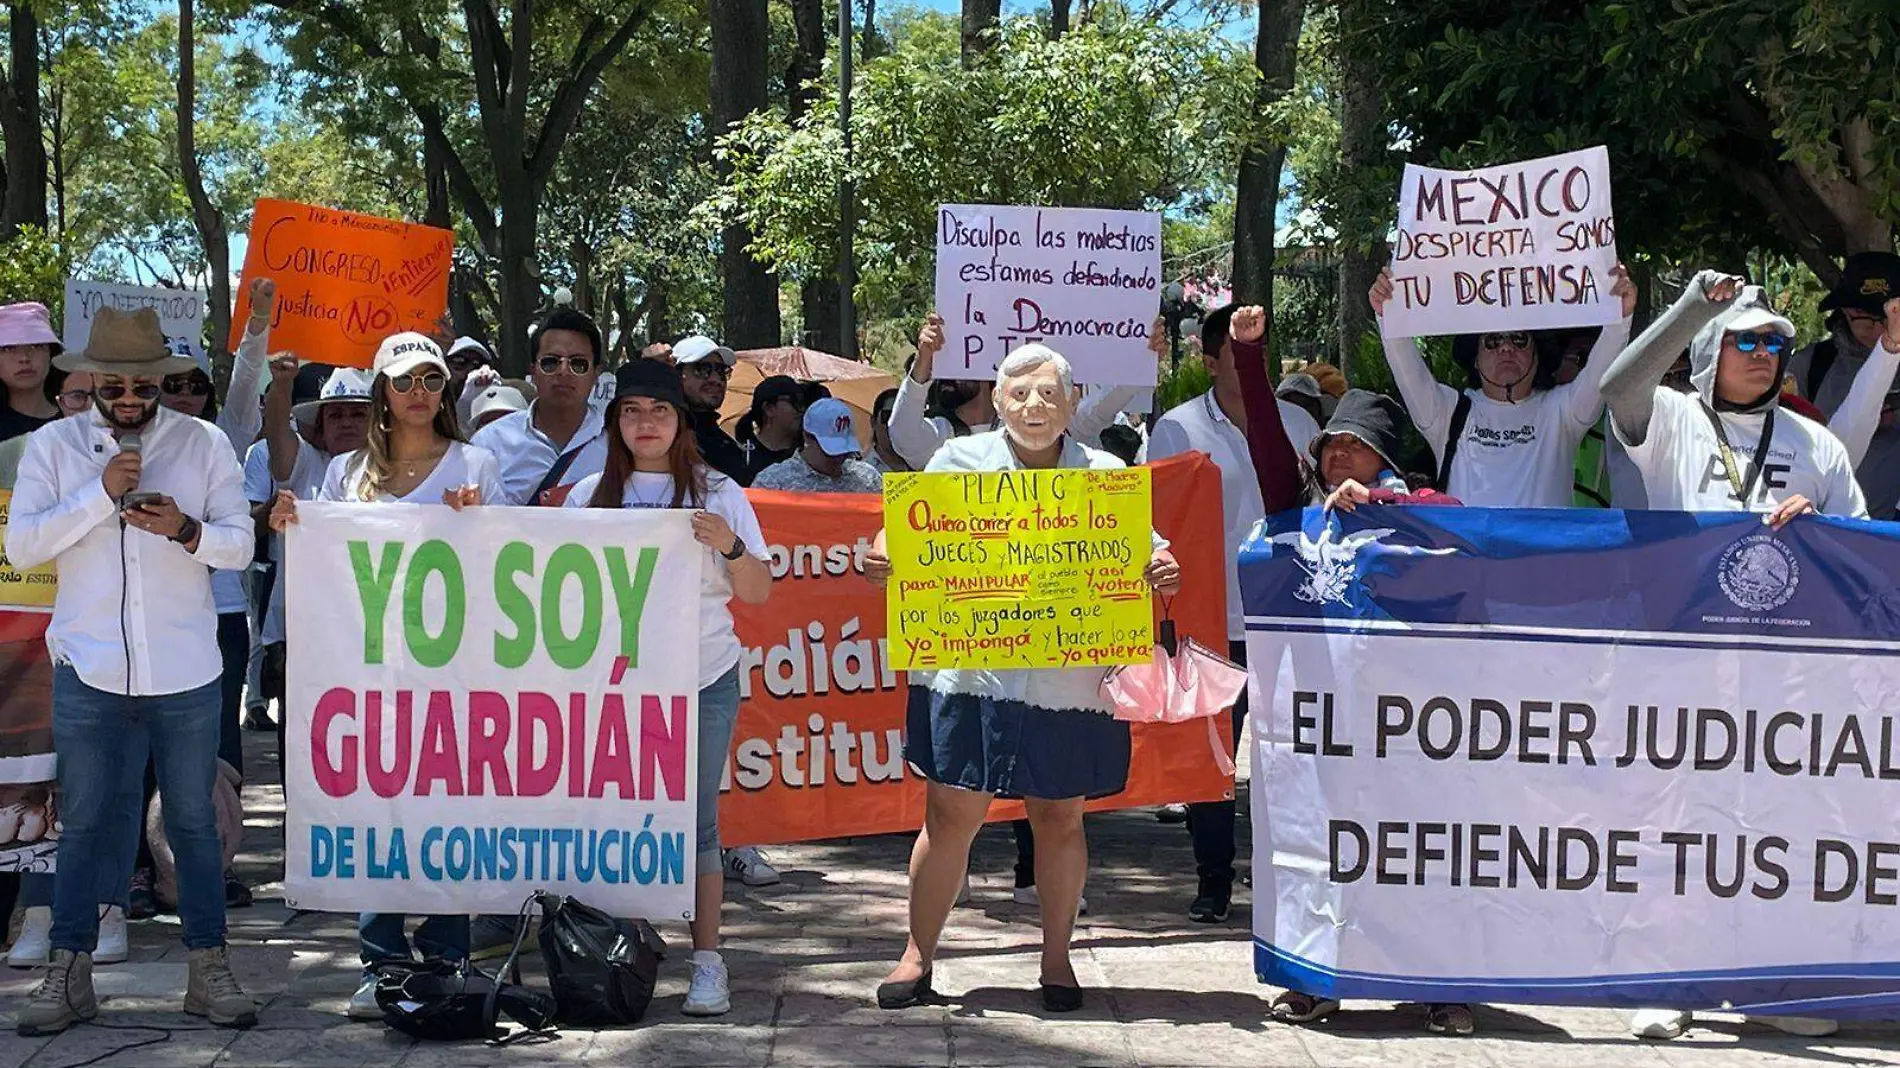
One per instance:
(520, 286)
(435, 176)
(658, 310)
(205, 214)
(740, 29)
(867, 49)
(980, 21)
(24, 203)
(1257, 192)
(582, 258)
(1058, 18)
(1361, 238)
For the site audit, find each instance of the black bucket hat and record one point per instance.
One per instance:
(1373, 418)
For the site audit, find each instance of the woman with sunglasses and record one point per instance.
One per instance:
(653, 461)
(1509, 439)
(414, 454)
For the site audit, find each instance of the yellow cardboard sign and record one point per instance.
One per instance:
(1019, 569)
(32, 588)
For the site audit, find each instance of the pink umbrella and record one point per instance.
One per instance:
(1184, 681)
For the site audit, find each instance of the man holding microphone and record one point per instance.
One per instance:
(136, 504)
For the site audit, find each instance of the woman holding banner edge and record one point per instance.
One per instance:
(1043, 735)
(414, 454)
(653, 461)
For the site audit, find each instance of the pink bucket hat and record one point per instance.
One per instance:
(27, 323)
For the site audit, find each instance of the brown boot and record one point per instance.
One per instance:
(212, 991)
(63, 998)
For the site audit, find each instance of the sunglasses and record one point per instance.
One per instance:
(192, 385)
(1516, 339)
(576, 365)
(112, 393)
(75, 398)
(1774, 343)
(434, 382)
(461, 360)
(708, 369)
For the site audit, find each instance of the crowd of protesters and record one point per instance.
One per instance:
(164, 508)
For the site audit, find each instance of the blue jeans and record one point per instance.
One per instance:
(380, 940)
(718, 717)
(102, 741)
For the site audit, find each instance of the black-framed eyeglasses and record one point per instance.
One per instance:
(75, 398)
(1516, 339)
(147, 391)
(433, 382)
(575, 365)
(180, 385)
(708, 369)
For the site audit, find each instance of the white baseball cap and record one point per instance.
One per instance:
(830, 421)
(697, 348)
(400, 354)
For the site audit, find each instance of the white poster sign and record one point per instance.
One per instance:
(181, 312)
(488, 703)
(1085, 282)
(1523, 246)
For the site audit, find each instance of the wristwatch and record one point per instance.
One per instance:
(186, 532)
(737, 550)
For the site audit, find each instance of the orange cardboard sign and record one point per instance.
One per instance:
(818, 752)
(344, 281)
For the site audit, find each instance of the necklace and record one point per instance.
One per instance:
(409, 466)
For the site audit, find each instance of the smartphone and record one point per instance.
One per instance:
(139, 499)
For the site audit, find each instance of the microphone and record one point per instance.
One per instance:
(130, 444)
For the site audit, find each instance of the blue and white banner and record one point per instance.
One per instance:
(1583, 757)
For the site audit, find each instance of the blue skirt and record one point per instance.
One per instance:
(1014, 750)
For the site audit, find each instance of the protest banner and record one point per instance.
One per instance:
(818, 752)
(1083, 281)
(181, 313)
(344, 281)
(480, 706)
(28, 835)
(1019, 569)
(1588, 757)
(1523, 246)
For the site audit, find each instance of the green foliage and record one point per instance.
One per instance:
(1183, 382)
(34, 267)
(1120, 112)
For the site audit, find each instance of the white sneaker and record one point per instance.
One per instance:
(363, 1003)
(1805, 1026)
(1026, 895)
(113, 947)
(36, 939)
(1658, 1023)
(709, 994)
(750, 867)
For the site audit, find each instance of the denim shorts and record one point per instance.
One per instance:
(718, 716)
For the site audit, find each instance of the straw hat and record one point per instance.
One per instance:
(123, 343)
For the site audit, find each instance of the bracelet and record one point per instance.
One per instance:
(186, 532)
(737, 550)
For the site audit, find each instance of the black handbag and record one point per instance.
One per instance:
(602, 969)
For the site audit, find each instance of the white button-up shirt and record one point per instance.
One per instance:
(1199, 425)
(126, 597)
(527, 455)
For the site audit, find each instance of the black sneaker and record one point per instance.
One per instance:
(236, 894)
(258, 719)
(1212, 902)
(142, 903)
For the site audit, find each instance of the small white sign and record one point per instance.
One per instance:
(181, 313)
(1083, 281)
(1523, 246)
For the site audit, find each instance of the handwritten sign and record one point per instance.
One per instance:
(181, 313)
(1019, 569)
(31, 588)
(1522, 246)
(1087, 283)
(344, 281)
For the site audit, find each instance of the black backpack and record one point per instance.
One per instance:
(443, 1002)
(602, 969)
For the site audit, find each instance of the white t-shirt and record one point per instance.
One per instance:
(719, 648)
(1681, 461)
(462, 465)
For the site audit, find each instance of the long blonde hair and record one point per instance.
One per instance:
(378, 466)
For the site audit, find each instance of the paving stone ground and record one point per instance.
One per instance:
(805, 956)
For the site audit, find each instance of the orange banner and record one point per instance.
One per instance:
(819, 748)
(344, 281)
